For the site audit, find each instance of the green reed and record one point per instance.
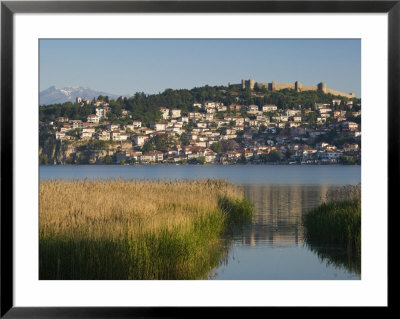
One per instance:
(183, 241)
(238, 210)
(335, 223)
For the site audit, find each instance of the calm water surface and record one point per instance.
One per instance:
(240, 174)
(272, 247)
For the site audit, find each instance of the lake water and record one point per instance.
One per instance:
(272, 246)
(239, 174)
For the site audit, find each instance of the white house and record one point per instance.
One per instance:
(294, 124)
(99, 103)
(93, 118)
(175, 113)
(62, 119)
(210, 105)
(269, 108)
(349, 103)
(61, 135)
(325, 110)
(221, 108)
(253, 123)
(76, 124)
(329, 155)
(136, 124)
(197, 105)
(351, 126)
(139, 139)
(252, 108)
(318, 106)
(284, 118)
(158, 126)
(113, 127)
(147, 157)
(152, 156)
(99, 112)
(165, 113)
(293, 112)
(201, 124)
(86, 135)
(184, 119)
(103, 135)
(66, 128)
(350, 147)
(115, 135)
(211, 111)
(146, 131)
(87, 132)
(194, 115)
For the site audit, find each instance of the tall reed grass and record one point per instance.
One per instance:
(341, 193)
(337, 222)
(135, 229)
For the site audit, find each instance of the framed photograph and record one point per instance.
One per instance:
(158, 156)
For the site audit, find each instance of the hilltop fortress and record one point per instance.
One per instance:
(299, 87)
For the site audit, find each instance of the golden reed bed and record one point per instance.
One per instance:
(88, 207)
(132, 229)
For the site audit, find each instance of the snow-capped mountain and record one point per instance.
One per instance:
(53, 95)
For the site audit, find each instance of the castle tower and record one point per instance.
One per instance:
(243, 84)
(252, 83)
(322, 87)
(298, 86)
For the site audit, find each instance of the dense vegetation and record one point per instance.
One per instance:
(135, 229)
(145, 108)
(337, 223)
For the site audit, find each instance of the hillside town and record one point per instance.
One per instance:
(326, 133)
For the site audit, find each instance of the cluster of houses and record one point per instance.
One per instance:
(246, 136)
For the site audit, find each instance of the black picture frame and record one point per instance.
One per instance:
(9, 8)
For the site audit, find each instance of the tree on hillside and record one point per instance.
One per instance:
(216, 147)
(274, 156)
(229, 145)
(148, 146)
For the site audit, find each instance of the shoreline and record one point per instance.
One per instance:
(199, 165)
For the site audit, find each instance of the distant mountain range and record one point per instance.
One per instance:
(53, 95)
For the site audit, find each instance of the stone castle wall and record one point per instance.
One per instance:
(334, 92)
(282, 86)
(299, 87)
(309, 88)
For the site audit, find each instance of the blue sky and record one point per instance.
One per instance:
(151, 66)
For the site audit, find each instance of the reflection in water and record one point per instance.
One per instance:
(277, 232)
(338, 258)
(278, 212)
